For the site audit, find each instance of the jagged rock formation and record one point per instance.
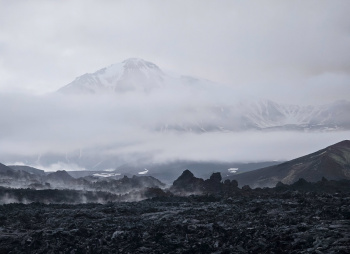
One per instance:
(188, 183)
(213, 184)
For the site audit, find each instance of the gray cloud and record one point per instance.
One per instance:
(260, 47)
(41, 129)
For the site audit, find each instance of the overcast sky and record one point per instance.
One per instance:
(274, 48)
(288, 51)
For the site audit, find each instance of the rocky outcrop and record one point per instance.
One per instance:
(188, 183)
(213, 184)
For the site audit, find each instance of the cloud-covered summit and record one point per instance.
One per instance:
(208, 106)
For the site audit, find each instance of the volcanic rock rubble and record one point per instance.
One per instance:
(218, 218)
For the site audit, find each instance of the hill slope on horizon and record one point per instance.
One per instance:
(332, 162)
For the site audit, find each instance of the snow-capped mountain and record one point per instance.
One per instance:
(138, 75)
(267, 115)
(133, 74)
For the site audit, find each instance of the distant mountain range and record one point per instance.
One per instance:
(29, 177)
(165, 172)
(138, 75)
(333, 163)
(267, 115)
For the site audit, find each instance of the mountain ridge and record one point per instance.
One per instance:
(332, 162)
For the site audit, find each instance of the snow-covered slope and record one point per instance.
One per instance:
(266, 115)
(133, 74)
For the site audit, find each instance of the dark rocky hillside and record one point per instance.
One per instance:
(16, 178)
(332, 163)
(28, 169)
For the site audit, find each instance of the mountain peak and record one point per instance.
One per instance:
(130, 75)
(138, 63)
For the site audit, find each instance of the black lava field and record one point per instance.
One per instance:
(249, 222)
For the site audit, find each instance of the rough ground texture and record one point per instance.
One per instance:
(285, 222)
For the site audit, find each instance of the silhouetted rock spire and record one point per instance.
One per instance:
(187, 182)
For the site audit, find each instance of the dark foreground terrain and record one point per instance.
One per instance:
(281, 222)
